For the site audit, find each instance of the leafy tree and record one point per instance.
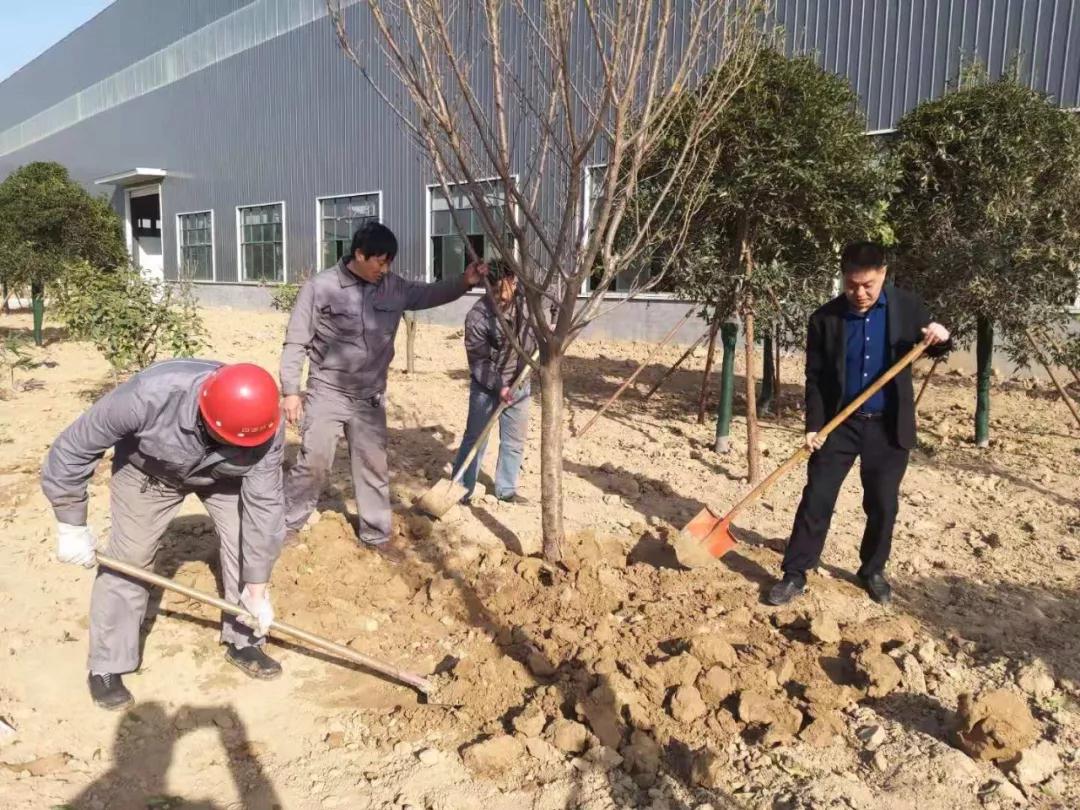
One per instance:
(986, 215)
(129, 318)
(796, 177)
(47, 220)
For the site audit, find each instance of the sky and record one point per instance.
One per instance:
(29, 27)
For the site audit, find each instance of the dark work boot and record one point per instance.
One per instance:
(786, 589)
(253, 661)
(878, 587)
(515, 499)
(108, 691)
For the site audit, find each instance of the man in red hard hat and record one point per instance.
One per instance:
(177, 428)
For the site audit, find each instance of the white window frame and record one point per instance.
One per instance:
(318, 219)
(213, 246)
(429, 276)
(586, 213)
(284, 243)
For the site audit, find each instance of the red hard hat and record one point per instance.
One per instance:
(240, 404)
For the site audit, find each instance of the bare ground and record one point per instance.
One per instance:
(623, 682)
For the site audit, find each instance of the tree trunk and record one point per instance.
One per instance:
(551, 453)
(410, 342)
(5, 308)
(37, 302)
(753, 452)
(984, 353)
(768, 376)
(729, 333)
(704, 395)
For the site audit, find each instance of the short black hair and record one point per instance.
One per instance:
(374, 239)
(498, 269)
(862, 256)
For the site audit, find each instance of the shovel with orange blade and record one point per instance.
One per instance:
(707, 537)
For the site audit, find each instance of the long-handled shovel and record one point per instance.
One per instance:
(707, 537)
(446, 492)
(418, 683)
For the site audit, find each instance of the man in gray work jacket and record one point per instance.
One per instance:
(494, 364)
(178, 427)
(344, 323)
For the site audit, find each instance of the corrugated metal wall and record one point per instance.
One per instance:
(899, 52)
(291, 120)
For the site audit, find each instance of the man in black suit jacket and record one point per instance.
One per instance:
(850, 342)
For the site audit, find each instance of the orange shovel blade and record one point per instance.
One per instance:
(705, 534)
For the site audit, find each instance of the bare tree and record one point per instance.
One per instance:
(514, 102)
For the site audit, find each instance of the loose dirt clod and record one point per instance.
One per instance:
(708, 769)
(1037, 764)
(995, 726)
(715, 685)
(493, 756)
(687, 705)
(712, 650)
(568, 736)
(879, 673)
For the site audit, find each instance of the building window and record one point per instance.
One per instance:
(262, 242)
(448, 254)
(630, 278)
(339, 219)
(196, 245)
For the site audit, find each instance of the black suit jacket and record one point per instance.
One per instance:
(825, 361)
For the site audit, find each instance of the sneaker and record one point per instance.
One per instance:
(515, 499)
(108, 691)
(878, 587)
(785, 590)
(253, 661)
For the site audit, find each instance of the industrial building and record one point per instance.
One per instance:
(239, 144)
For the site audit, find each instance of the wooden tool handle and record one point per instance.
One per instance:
(832, 424)
(634, 376)
(402, 676)
(476, 445)
(926, 381)
(1046, 364)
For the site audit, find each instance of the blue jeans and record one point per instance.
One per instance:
(513, 427)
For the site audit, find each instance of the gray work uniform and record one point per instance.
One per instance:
(345, 328)
(161, 454)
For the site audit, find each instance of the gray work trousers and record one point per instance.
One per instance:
(326, 413)
(141, 510)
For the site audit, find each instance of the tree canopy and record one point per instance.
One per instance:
(47, 220)
(986, 216)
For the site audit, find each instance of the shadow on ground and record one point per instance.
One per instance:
(143, 751)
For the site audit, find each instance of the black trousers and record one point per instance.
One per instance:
(883, 467)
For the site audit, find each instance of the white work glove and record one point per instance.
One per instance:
(76, 545)
(260, 608)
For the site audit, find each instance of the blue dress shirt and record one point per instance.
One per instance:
(867, 354)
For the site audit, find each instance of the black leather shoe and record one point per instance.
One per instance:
(878, 587)
(253, 661)
(109, 692)
(785, 590)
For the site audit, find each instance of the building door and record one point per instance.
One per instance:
(144, 228)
